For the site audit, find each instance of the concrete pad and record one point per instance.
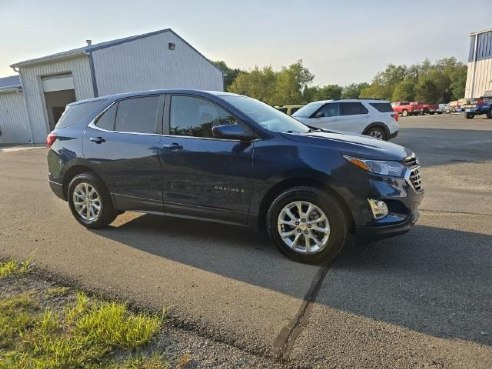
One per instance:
(223, 281)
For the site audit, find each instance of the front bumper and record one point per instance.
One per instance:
(366, 234)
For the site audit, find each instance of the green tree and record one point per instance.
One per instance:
(353, 90)
(404, 91)
(427, 91)
(329, 92)
(229, 73)
(257, 83)
(375, 91)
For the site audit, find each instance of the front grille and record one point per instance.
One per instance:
(415, 177)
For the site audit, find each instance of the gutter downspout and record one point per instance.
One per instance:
(31, 141)
(472, 95)
(93, 74)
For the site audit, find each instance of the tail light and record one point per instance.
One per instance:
(50, 139)
(395, 117)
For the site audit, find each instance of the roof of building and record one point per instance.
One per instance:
(102, 45)
(10, 83)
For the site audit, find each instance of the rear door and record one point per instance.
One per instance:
(203, 176)
(122, 145)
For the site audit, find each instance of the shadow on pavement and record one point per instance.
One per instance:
(433, 280)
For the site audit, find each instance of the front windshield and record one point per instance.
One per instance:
(266, 116)
(308, 110)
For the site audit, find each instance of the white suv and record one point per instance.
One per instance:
(374, 118)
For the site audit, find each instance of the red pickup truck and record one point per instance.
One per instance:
(405, 108)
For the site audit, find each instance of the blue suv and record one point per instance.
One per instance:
(227, 158)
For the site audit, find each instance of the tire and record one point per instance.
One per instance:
(404, 113)
(489, 114)
(470, 115)
(85, 209)
(377, 132)
(329, 242)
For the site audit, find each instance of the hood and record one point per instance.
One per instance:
(355, 145)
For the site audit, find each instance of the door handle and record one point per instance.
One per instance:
(172, 146)
(97, 140)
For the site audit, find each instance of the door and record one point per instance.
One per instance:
(327, 117)
(122, 144)
(354, 117)
(203, 176)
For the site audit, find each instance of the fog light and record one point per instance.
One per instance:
(379, 208)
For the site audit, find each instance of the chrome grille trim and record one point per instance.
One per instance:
(413, 176)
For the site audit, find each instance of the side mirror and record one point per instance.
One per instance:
(232, 131)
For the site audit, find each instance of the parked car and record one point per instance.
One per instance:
(230, 159)
(482, 105)
(442, 108)
(373, 118)
(289, 109)
(429, 108)
(405, 108)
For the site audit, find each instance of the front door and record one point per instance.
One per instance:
(123, 146)
(203, 176)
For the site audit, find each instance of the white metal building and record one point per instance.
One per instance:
(29, 109)
(479, 76)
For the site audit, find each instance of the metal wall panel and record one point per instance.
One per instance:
(14, 123)
(479, 78)
(33, 89)
(148, 63)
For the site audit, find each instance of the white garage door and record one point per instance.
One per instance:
(58, 83)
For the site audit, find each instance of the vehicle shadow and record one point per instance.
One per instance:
(432, 280)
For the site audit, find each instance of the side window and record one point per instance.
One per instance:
(106, 121)
(352, 108)
(192, 116)
(328, 110)
(137, 115)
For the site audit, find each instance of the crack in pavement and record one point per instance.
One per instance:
(283, 343)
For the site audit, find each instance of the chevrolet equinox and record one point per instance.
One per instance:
(227, 158)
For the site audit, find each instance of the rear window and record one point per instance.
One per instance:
(382, 107)
(75, 113)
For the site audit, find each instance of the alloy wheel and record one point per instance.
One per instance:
(303, 227)
(87, 201)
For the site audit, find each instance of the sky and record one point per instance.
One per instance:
(340, 42)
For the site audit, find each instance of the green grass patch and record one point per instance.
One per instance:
(56, 292)
(85, 334)
(12, 267)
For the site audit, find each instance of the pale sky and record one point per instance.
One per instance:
(339, 41)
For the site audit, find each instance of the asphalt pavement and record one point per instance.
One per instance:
(419, 300)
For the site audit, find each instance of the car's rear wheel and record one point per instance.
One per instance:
(489, 114)
(307, 225)
(377, 132)
(470, 115)
(90, 202)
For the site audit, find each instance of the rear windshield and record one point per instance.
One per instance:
(382, 107)
(308, 110)
(74, 113)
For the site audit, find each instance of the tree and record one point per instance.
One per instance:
(274, 87)
(353, 90)
(375, 91)
(229, 74)
(427, 91)
(329, 92)
(404, 91)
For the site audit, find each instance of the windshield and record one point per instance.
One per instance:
(266, 116)
(308, 110)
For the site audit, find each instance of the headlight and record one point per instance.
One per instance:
(385, 168)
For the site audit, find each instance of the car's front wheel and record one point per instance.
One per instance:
(90, 202)
(307, 224)
(470, 115)
(377, 132)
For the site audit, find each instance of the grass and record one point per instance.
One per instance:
(11, 267)
(86, 333)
